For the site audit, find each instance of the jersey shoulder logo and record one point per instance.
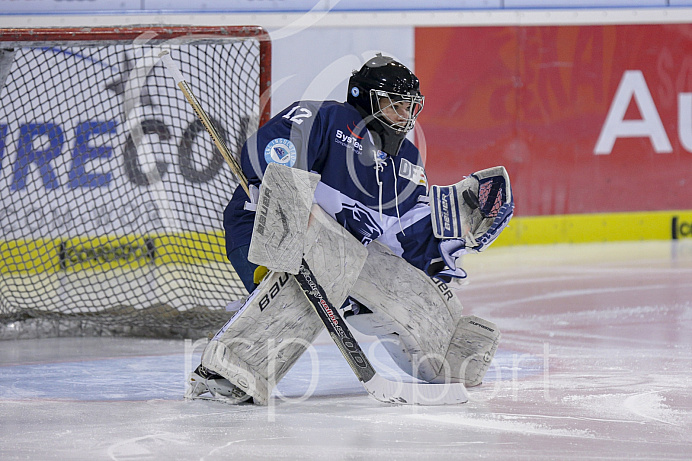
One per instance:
(281, 151)
(414, 173)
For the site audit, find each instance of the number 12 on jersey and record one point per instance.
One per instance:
(298, 114)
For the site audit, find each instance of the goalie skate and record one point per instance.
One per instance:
(203, 381)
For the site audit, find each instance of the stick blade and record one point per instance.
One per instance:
(397, 392)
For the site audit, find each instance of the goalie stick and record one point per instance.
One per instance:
(383, 390)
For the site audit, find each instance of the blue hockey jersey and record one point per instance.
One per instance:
(373, 195)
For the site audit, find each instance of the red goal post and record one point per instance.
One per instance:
(112, 192)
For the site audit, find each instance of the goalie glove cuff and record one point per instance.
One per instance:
(446, 267)
(448, 274)
(451, 250)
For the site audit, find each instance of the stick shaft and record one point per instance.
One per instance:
(206, 121)
(335, 324)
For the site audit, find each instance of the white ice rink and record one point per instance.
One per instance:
(595, 363)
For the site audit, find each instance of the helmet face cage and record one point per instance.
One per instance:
(396, 110)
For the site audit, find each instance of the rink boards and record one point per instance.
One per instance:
(132, 272)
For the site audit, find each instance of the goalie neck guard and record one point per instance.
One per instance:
(387, 94)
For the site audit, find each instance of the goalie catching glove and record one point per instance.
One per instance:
(475, 209)
(468, 216)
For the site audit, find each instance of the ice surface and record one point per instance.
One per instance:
(595, 363)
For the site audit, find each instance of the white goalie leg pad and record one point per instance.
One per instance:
(274, 327)
(408, 307)
(258, 346)
(420, 323)
(472, 349)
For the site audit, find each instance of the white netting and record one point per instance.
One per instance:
(112, 192)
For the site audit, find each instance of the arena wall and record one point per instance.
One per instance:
(590, 109)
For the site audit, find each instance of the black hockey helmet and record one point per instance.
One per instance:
(388, 96)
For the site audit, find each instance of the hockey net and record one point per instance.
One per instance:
(112, 192)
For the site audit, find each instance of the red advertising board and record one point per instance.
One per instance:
(586, 119)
